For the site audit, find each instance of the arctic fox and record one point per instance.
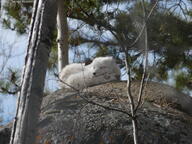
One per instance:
(80, 76)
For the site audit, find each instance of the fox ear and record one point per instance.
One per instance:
(88, 61)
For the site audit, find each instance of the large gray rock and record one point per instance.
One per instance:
(66, 118)
(164, 118)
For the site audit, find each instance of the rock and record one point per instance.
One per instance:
(67, 118)
(5, 133)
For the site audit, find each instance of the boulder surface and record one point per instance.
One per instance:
(71, 117)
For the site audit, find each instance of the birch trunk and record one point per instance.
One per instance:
(33, 77)
(2, 11)
(62, 35)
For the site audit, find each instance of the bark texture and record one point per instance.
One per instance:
(62, 35)
(32, 85)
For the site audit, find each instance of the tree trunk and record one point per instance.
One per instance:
(2, 3)
(33, 77)
(62, 35)
(0, 7)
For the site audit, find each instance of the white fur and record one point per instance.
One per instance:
(71, 69)
(79, 76)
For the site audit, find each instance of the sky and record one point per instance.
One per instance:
(13, 46)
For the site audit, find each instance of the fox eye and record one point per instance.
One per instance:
(94, 73)
(103, 67)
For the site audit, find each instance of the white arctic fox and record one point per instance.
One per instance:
(79, 75)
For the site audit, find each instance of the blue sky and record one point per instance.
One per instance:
(10, 43)
(13, 46)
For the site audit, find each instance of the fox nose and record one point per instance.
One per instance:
(94, 73)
